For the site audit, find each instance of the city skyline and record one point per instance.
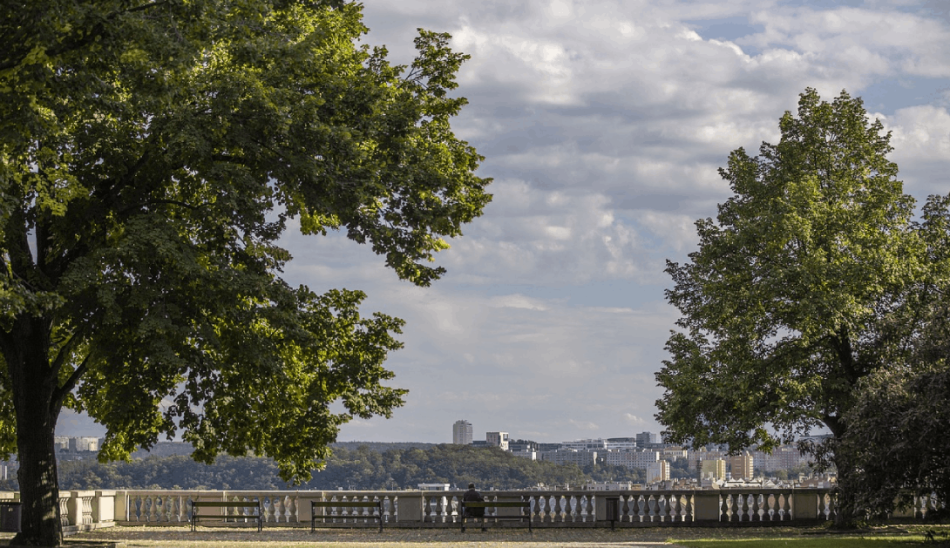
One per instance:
(603, 123)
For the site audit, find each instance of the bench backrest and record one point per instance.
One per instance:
(345, 504)
(223, 504)
(199, 504)
(500, 504)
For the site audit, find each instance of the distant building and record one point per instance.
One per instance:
(741, 466)
(784, 457)
(76, 444)
(648, 439)
(569, 456)
(674, 453)
(611, 486)
(695, 457)
(462, 433)
(530, 455)
(518, 446)
(621, 444)
(632, 459)
(497, 439)
(433, 486)
(585, 445)
(714, 469)
(658, 471)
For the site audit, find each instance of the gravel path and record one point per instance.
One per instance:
(300, 537)
(204, 537)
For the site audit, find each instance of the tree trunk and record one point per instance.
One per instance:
(39, 489)
(848, 515)
(26, 349)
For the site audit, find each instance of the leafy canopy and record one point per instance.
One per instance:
(800, 287)
(152, 154)
(897, 426)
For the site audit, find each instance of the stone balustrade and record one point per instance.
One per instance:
(86, 510)
(555, 508)
(80, 510)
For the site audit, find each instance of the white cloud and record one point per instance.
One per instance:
(921, 141)
(583, 425)
(603, 123)
(633, 419)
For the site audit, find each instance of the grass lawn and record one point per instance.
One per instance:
(799, 542)
(180, 536)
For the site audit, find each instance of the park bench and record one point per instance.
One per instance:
(314, 504)
(497, 504)
(195, 516)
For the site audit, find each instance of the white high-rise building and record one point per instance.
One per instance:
(462, 433)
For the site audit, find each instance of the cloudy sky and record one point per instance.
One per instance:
(603, 123)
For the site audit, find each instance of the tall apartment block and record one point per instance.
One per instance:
(462, 433)
(742, 466)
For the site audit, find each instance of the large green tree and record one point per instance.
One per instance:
(152, 152)
(898, 424)
(804, 284)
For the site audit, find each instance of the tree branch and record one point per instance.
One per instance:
(57, 400)
(64, 351)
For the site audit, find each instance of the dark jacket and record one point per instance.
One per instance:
(473, 496)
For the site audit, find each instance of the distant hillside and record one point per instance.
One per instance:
(381, 446)
(172, 448)
(164, 449)
(360, 468)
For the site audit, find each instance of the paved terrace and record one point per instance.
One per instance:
(274, 537)
(159, 518)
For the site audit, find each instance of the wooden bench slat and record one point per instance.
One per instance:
(218, 504)
(345, 504)
(196, 504)
(497, 504)
(504, 504)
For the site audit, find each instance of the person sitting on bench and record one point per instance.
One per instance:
(474, 496)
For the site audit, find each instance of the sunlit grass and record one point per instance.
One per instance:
(826, 542)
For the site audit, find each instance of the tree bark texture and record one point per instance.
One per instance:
(25, 349)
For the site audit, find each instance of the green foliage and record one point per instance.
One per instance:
(151, 156)
(157, 152)
(898, 437)
(679, 468)
(807, 282)
(897, 427)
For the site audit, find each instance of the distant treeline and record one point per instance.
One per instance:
(349, 468)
